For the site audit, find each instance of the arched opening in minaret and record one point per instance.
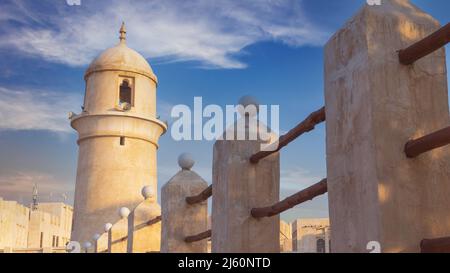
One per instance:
(125, 94)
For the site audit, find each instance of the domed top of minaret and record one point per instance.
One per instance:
(121, 58)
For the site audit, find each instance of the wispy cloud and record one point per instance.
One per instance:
(28, 109)
(210, 32)
(36, 110)
(296, 179)
(19, 185)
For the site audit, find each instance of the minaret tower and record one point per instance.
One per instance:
(118, 138)
(34, 205)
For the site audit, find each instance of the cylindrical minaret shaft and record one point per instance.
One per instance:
(118, 138)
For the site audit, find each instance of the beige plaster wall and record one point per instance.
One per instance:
(238, 187)
(285, 237)
(144, 238)
(374, 105)
(118, 237)
(64, 213)
(102, 93)
(306, 233)
(102, 243)
(179, 219)
(13, 224)
(111, 175)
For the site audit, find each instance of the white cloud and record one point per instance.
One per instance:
(211, 32)
(25, 109)
(18, 186)
(36, 110)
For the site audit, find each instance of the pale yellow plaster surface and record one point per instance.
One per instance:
(374, 105)
(239, 186)
(144, 232)
(117, 145)
(180, 219)
(118, 237)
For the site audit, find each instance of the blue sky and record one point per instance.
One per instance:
(220, 50)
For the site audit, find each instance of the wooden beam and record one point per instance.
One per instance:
(203, 196)
(292, 201)
(441, 138)
(425, 46)
(153, 221)
(202, 236)
(440, 245)
(305, 126)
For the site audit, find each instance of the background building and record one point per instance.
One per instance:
(311, 235)
(50, 225)
(47, 225)
(285, 237)
(14, 221)
(63, 227)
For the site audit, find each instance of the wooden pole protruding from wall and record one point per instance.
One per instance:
(292, 201)
(425, 46)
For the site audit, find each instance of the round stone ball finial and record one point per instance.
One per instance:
(96, 237)
(124, 212)
(248, 101)
(186, 161)
(147, 192)
(107, 227)
(87, 245)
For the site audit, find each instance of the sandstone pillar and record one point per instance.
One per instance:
(179, 218)
(374, 105)
(240, 186)
(118, 234)
(144, 225)
(101, 244)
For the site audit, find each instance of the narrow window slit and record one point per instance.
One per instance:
(122, 141)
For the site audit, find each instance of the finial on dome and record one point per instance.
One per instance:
(123, 33)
